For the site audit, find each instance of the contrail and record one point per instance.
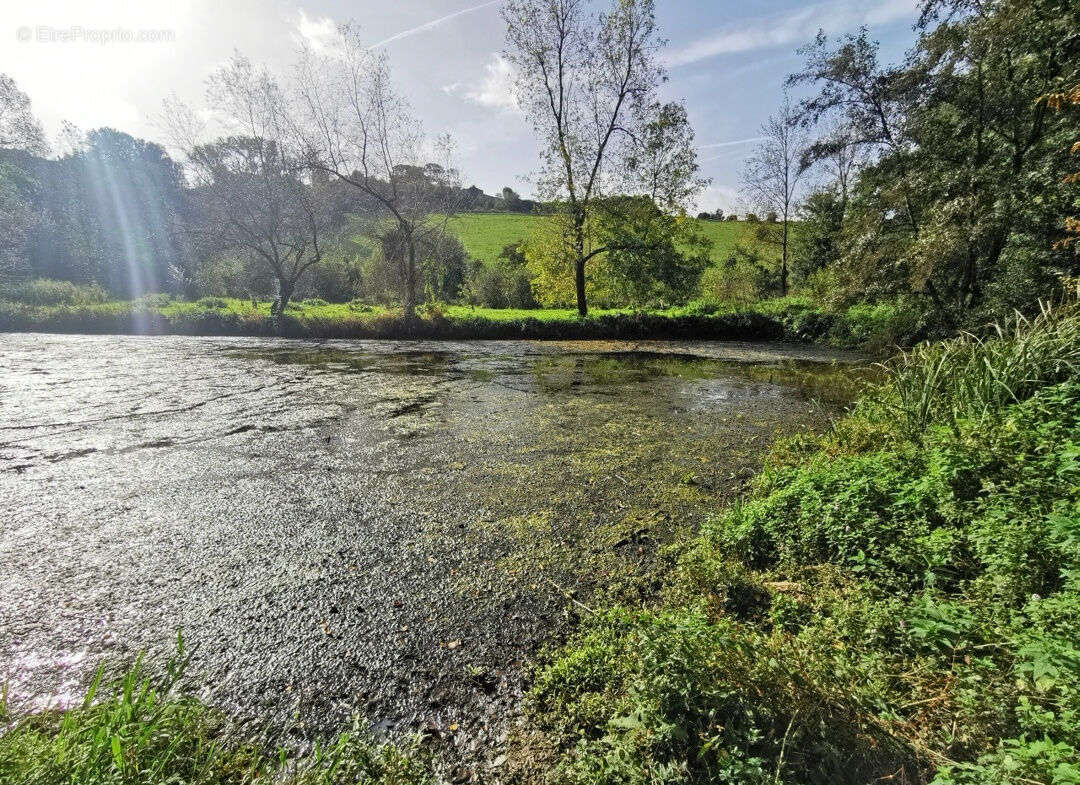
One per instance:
(730, 144)
(433, 23)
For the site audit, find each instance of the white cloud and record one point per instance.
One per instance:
(318, 33)
(725, 197)
(495, 90)
(791, 28)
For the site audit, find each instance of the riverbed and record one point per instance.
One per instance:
(386, 531)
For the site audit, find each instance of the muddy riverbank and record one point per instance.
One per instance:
(389, 529)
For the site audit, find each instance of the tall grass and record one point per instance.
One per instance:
(974, 377)
(142, 729)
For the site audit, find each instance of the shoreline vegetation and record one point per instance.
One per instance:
(895, 598)
(85, 310)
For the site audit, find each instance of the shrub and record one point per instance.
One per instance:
(974, 377)
(500, 285)
(212, 302)
(44, 291)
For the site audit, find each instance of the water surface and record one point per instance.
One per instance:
(387, 529)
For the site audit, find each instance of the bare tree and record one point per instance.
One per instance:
(840, 157)
(588, 83)
(357, 130)
(251, 186)
(772, 175)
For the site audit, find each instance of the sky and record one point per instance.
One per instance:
(112, 62)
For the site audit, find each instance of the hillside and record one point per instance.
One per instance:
(485, 234)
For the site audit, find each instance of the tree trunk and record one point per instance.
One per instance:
(783, 260)
(579, 267)
(410, 278)
(285, 293)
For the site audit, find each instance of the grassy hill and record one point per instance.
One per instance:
(485, 234)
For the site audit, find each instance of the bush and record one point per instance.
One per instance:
(500, 285)
(895, 599)
(43, 291)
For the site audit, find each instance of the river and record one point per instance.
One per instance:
(381, 529)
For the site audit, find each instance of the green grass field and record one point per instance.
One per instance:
(484, 235)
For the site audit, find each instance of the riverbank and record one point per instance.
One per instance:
(873, 328)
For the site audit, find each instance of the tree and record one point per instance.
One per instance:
(817, 245)
(251, 187)
(868, 101)
(17, 217)
(772, 176)
(19, 129)
(589, 86)
(1057, 102)
(651, 255)
(511, 200)
(134, 193)
(359, 131)
(960, 193)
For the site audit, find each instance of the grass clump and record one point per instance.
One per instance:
(142, 729)
(893, 600)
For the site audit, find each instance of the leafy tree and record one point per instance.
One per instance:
(961, 196)
(135, 193)
(19, 129)
(589, 85)
(651, 255)
(511, 199)
(441, 259)
(639, 254)
(17, 218)
(1059, 101)
(817, 244)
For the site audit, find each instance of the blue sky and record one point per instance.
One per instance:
(727, 60)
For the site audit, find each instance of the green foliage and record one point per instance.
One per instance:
(894, 599)
(504, 283)
(965, 199)
(817, 245)
(42, 291)
(973, 377)
(652, 256)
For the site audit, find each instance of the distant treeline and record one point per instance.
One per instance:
(116, 211)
